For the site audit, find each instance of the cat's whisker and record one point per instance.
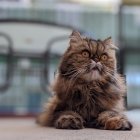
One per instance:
(86, 67)
(112, 77)
(110, 73)
(69, 73)
(106, 69)
(75, 76)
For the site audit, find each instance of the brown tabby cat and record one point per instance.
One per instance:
(88, 91)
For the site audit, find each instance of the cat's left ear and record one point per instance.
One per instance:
(75, 38)
(108, 41)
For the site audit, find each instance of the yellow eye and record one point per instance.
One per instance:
(85, 54)
(104, 57)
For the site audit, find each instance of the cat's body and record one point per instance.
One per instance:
(88, 91)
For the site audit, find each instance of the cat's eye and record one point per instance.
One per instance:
(85, 54)
(104, 57)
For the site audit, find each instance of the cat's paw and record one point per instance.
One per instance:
(69, 122)
(117, 123)
(112, 120)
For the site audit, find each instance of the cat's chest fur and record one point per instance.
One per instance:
(89, 99)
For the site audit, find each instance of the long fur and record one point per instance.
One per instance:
(81, 100)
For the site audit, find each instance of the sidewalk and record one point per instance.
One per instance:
(26, 129)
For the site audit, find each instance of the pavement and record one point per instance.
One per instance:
(27, 129)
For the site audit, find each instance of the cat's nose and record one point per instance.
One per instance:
(93, 63)
(96, 60)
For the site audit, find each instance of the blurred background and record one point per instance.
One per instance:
(34, 34)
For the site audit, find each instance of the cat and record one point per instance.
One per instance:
(88, 91)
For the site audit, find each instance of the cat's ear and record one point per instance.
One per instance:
(75, 34)
(108, 41)
(75, 38)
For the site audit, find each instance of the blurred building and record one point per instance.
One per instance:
(57, 18)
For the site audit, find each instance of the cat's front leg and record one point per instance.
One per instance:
(69, 120)
(45, 119)
(112, 120)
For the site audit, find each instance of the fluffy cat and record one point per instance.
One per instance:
(88, 91)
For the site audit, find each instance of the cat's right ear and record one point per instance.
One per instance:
(75, 38)
(109, 42)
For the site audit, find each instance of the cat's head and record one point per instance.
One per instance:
(88, 59)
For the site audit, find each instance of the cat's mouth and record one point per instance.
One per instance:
(95, 69)
(95, 73)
